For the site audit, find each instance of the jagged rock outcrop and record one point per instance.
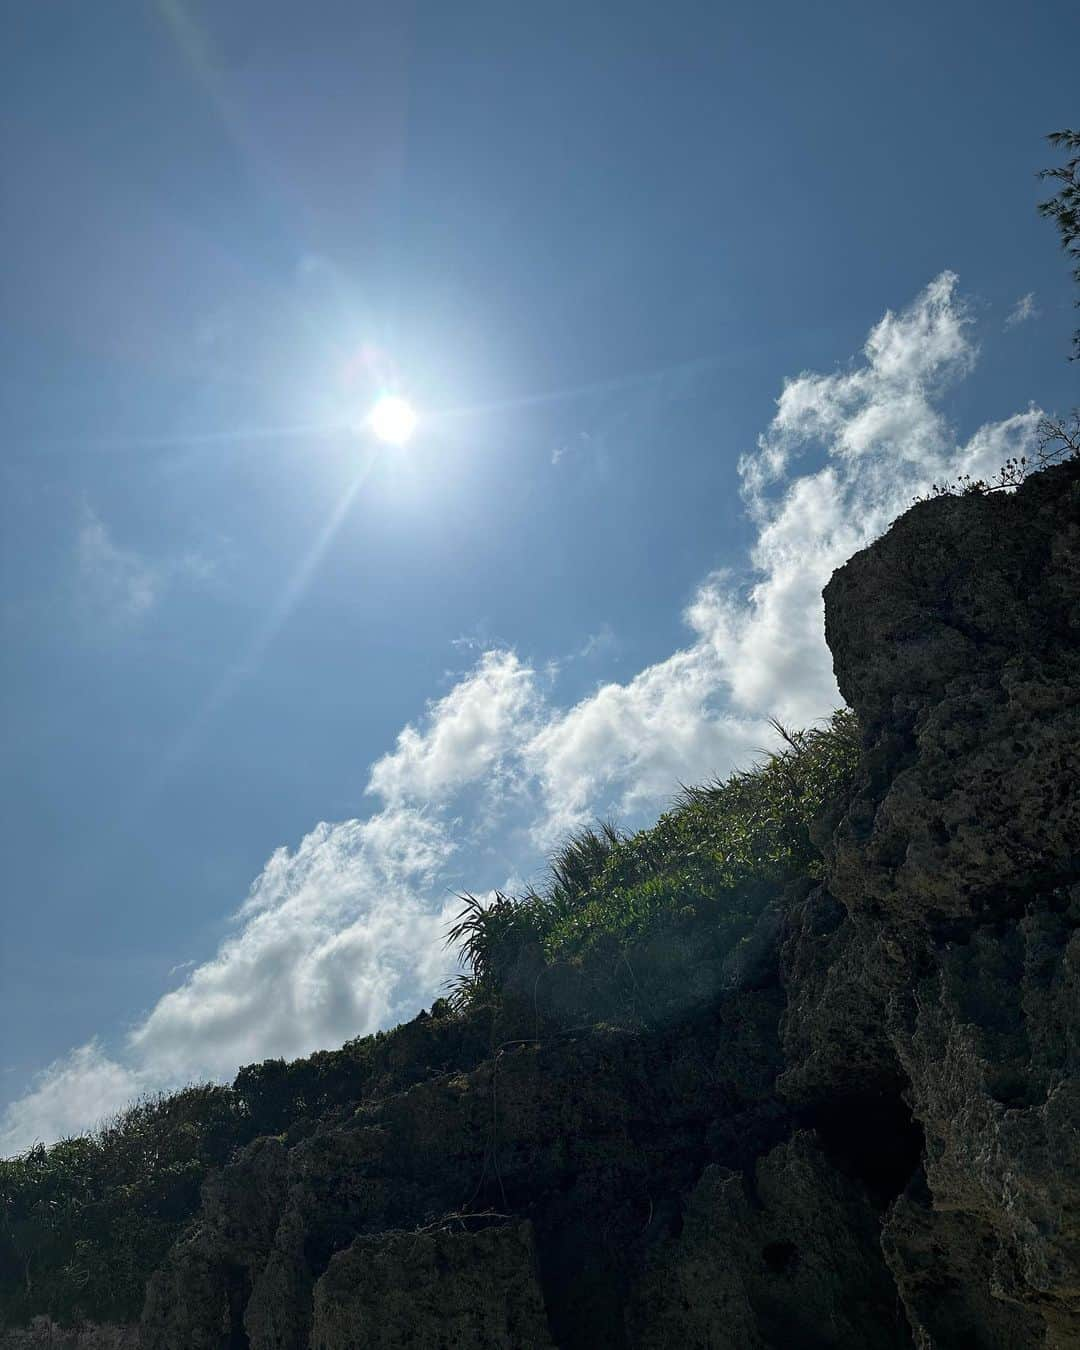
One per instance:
(591, 1136)
(786, 1254)
(456, 1289)
(952, 964)
(871, 1137)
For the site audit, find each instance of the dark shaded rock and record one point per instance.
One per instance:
(861, 1129)
(941, 1262)
(442, 1291)
(833, 1029)
(789, 1256)
(957, 638)
(44, 1334)
(578, 1132)
(955, 590)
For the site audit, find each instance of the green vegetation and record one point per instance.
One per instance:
(85, 1221)
(1064, 207)
(695, 883)
(627, 928)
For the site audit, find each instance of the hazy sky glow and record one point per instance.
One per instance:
(688, 307)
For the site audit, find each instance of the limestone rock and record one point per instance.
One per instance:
(442, 1290)
(957, 639)
(863, 1131)
(789, 1256)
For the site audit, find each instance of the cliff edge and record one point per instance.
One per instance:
(868, 1133)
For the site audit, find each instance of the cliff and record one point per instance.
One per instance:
(865, 1131)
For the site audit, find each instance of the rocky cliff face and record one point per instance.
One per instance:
(957, 639)
(874, 1141)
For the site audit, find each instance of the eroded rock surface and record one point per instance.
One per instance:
(787, 1255)
(443, 1290)
(957, 639)
(881, 1147)
(872, 1138)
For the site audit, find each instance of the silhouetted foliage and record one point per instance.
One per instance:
(1058, 439)
(1064, 207)
(84, 1222)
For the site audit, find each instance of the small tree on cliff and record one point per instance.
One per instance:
(1064, 208)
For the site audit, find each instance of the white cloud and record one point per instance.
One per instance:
(329, 939)
(886, 405)
(467, 735)
(760, 652)
(116, 581)
(627, 746)
(884, 440)
(119, 584)
(1024, 309)
(344, 934)
(70, 1096)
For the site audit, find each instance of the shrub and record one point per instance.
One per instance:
(1057, 441)
(85, 1221)
(711, 864)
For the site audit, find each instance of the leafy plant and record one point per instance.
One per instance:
(710, 864)
(1064, 207)
(489, 936)
(84, 1222)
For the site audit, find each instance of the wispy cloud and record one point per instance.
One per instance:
(1024, 309)
(602, 643)
(344, 934)
(573, 445)
(119, 585)
(115, 581)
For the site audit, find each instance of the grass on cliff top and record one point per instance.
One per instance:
(83, 1223)
(710, 864)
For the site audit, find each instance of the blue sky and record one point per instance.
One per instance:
(692, 299)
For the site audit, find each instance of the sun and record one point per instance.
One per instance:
(392, 419)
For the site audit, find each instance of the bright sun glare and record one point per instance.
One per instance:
(392, 420)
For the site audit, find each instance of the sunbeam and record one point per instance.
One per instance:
(272, 624)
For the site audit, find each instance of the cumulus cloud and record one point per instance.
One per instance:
(327, 940)
(627, 746)
(344, 934)
(70, 1096)
(1024, 309)
(341, 936)
(468, 733)
(879, 437)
